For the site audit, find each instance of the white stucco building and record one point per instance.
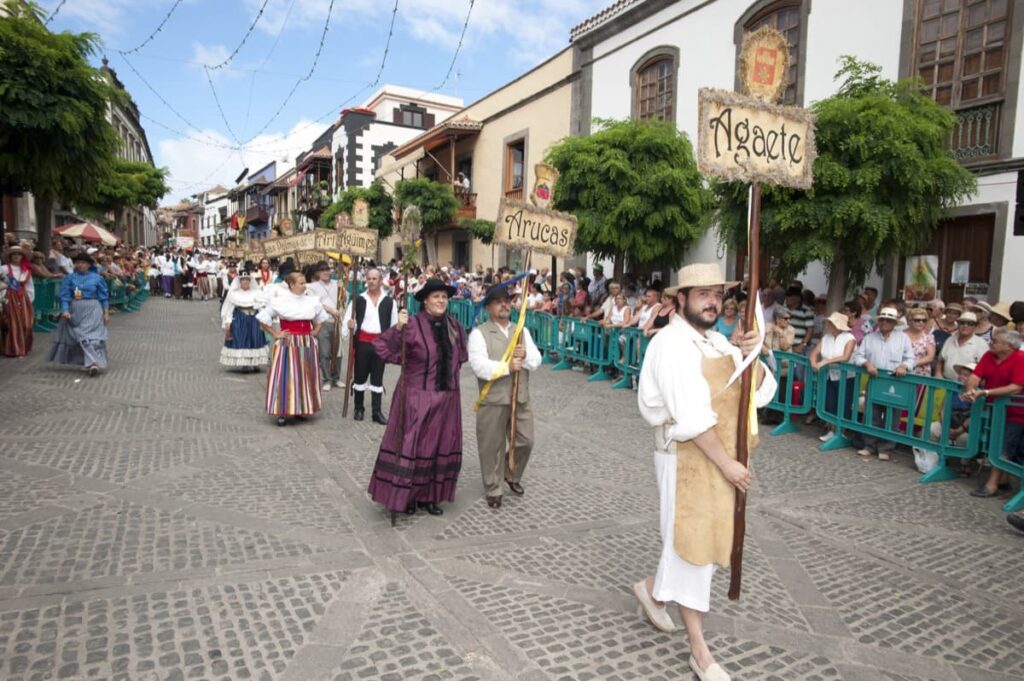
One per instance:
(648, 58)
(215, 203)
(390, 117)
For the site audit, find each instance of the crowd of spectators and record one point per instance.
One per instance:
(119, 266)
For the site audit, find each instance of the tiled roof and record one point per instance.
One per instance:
(601, 17)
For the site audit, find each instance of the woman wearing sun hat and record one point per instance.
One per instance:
(836, 347)
(20, 294)
(81, 336)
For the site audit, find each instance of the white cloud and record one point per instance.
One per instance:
(196, 166)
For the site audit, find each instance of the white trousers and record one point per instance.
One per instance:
(676, 581)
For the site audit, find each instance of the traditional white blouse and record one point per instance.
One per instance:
(239, 298)
(673, 391)
(292, 308)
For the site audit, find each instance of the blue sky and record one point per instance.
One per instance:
(187, 132)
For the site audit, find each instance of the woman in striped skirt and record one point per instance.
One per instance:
(293, 384)
(19, 315)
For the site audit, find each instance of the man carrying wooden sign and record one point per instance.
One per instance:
(500, 351)
(702, 415)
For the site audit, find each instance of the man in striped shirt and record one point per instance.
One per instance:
(801, 318)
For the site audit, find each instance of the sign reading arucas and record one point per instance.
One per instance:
(525, 226)
(357, 242)
(745, 139)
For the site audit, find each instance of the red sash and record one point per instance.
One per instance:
(298, 327)
(366, 337)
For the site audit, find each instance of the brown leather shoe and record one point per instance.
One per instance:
(516, 488)
(494, 502)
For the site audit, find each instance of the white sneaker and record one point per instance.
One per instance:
(883, 456)
(327, 386)
(866, 453)
(339, 384)
(827, 436)
(714, 672)
(658, 616)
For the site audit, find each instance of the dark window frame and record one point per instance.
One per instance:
(654, 56)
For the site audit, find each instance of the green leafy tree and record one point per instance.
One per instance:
(436, 200)
(128, 184)
(380, 202)
(55, 140)
(480, 229)
(882, 180)
(635, 190)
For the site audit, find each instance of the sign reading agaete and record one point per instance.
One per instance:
(744, 139)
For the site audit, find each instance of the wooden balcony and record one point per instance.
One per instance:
(515, 194)
(467, 206)
(976, 134)
(256, 214)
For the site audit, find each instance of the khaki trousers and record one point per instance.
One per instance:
(492, 430)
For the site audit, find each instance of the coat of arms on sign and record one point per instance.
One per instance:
(764, 61)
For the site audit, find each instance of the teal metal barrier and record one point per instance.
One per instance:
(627, 347)
(117, 292)
(46, 306)
(584, 341)
(996, 446)
(544, 332)
(901, 410)
(792, 398)
(462, 310)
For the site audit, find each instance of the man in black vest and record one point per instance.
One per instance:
(375, 313)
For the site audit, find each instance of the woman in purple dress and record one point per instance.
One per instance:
(422, 470)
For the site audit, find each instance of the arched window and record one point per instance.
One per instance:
(654, 84)
(785, 17)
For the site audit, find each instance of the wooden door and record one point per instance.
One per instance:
(965, 238)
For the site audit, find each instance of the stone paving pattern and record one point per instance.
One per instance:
(156, 525)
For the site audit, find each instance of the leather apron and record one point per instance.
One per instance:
(705, 500)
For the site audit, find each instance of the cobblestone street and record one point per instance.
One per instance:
(156, 524)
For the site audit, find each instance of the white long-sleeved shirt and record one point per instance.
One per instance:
(292, 307)
(371, 320)
(238, 298)
(673, 392)
(486, 368)
(327, 293)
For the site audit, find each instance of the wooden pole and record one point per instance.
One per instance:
(351, 367)
(511, 463)
(401, 378)
(743, 423)
(336, 336)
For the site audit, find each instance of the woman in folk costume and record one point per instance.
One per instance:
(687, 394)
(421, 454)
(293, 384)
(245, 344)
(20, 293)
(81, 336)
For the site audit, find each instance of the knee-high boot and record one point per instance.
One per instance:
(378, 415)
(359, 411)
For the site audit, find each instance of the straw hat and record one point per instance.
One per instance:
(1001, 310)
(955, 306)
(25, 253)
(969, 317)
(970, 366)
(700, 274)
(839, 320)
(890, 313)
